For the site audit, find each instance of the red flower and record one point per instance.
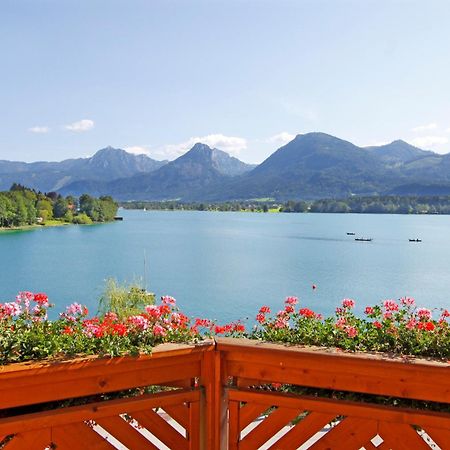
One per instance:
(261, 318)
(306, 312)
(120, 329)
(377, 324)
(348, 303)
(41, 298)
(67, 330)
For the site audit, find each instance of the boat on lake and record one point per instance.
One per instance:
(415, 240)
(362, 239)
(350, 233)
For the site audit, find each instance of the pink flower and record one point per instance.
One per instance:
(11, 309)
(390, 305)
(424, 313)
(348, 303)
(281, 322)
(73, 311)
(158, 330)
(291, 301)
(168, 300)
(351, 331)
(411, 324)
(340, 323)
(408, 301)
(139, 322)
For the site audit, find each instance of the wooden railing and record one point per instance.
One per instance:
(288, 421)
(221, 395)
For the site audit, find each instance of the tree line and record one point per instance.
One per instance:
(21, 206)
(355, 204)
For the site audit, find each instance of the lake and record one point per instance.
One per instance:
(226, 265)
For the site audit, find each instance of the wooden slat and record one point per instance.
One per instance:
(69, 437)
(303, 430)
(125, 433)
(417, 379)
(440, 436)
(107, 382)
(180, 413)
(234, 430)
(161, 429)
(193, 431)
(401, 436)
(349, 434)
(346, 408)
(36, 440)
(93, 411)
(250, 412)
(268, 427)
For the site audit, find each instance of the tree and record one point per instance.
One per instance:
(60, 208)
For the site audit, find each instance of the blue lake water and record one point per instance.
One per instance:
(226, 265)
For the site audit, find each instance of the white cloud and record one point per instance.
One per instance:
(39, 129)
(281, 138)
(138, 149)
(230, 144)
(422, 128)
(428, 141)
(81, 125)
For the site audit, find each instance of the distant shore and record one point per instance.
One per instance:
(390, 204)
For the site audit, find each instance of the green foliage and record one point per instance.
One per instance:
(123, 299)
(23, 207)
(99, 210)
(82, 219)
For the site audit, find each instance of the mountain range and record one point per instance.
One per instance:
(312, 165)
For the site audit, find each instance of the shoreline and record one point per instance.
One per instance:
(52, 224)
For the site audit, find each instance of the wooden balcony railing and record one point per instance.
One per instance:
(219, 395)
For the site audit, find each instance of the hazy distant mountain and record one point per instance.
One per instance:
(186, 177)
(398, 152)
(313, 165)
(106, 165)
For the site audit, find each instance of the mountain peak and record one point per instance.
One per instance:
(200, 147)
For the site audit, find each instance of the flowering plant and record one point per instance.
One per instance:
(391, 326)
(26, 333)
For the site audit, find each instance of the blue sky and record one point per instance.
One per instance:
(241, 75)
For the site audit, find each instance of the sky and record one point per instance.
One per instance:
(244, 76)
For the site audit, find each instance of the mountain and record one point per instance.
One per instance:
(310, 166)
(106, 165)
(186, 177)
(398, 152)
